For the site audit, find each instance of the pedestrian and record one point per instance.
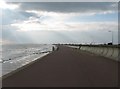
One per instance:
(79, 47)
(57, 47)
(53, 48)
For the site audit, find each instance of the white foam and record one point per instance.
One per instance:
(16, 56)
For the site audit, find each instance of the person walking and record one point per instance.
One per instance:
(53, 48)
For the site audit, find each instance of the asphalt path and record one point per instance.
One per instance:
(67, 67)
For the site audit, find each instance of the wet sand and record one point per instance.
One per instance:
(67, 67)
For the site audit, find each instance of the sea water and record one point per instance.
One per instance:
(15, 56)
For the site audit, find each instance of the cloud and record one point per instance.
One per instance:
(68, 7)
(4, 42)
(62, 1)
(92, 26)
(55, 11)
(52, 22)
(72, 33)
(11, 6)
(11, 34)
(9, 17)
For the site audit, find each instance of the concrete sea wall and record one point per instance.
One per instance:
(109, 51)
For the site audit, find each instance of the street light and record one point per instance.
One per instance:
(112, 35)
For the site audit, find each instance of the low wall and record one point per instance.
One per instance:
(76, 47)
(109, 51)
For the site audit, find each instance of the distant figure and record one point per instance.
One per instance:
(57, 47)
(79, 47)
(53, 48)
(110, 43)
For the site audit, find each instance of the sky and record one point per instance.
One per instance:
(58, 22)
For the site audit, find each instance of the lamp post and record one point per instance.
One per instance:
(112, 35)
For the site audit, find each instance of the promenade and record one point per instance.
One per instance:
(67, 67)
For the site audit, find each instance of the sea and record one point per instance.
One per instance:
(14, 56)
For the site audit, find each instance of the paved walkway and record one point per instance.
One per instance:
(67, 67)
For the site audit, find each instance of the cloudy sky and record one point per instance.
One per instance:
(59, 22)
